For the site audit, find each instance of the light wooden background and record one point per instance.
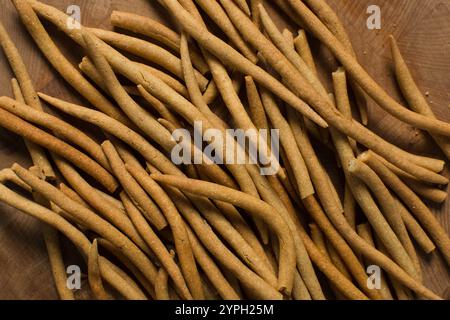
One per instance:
(422, 28)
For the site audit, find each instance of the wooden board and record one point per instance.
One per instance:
(422, 28)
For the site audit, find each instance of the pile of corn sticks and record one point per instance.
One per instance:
(152, 229)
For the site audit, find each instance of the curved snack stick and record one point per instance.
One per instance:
(8, 175)
(123, 286)
(56, 262)
(90, 220)
(159, 107)
(155, 30)
(287, 139)
(57, 126)
(257, 207)
(146, 50)
(365, 233)
(151, 211)
(387, 202)
(157, 246)
(210, 269)
(127, 263)
(126, 67)
(62, 65)
(94, 201)
(424, 190)
(415, 229)
(363, 78)
(412, 93)
(304, 51)
(233, 58)
(177, 226)
(255, 285)
(176, 223)
(140, 117)
(333, 23)
(94, 276)
(234, 105)
(419, 209)
(242, 4)
(256, 108)
(108, 124)
(218, 15)
(349, 207)
(162, 285)
(32, 133)
(277, 38)
(29, 94)
(89, 69)
(307, 272)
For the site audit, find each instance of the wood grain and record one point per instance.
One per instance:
(421, 27)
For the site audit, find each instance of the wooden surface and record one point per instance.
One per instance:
(422, 28)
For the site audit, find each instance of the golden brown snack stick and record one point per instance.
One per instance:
(387, 202)
(157, 246)
(349, 206)
(218, 15)
(155, 30)
(242, 4)
(90, 220)
(37, 154)
(411, 92)
(417, 207)
(32, 133)
(127, 263)
(256, 108)
(304, 265)
(149, 208)
(162, 285)
(52, 244)
(159, 107)
(254, 205)
(257, 287)
(61, 64)
(94, 276)
(59, 127)
(303, 49)
(90, 195)
(338, 242)
(364, 232)
(233, 58)
(332, 273)
(414, 228)
(123, 286)
(89, 69)
(287, 140)
(177, 225)
(280, 42)
(334, 24)
(146, 50)
(255, 12)
(342, 100)
(362, 77)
